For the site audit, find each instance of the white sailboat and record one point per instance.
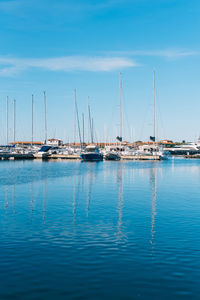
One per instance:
(110, 152)
(153, 149)
(91, 152)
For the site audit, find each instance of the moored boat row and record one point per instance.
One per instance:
(90, 152)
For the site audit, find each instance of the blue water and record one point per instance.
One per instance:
(107, 230)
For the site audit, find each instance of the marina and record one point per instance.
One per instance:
(76, 157)
(99, 150)
(53, 148)
(89, 153)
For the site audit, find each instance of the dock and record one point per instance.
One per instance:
(18, 156)
(13, 156)
(192, 156)
(64, 156)
(140, 157)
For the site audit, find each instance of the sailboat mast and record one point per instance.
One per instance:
(121, 120)
(92, 130)
(74, 116)
(90, 122)
(14, 121)
(7, 120)
(45, 117)
(32, 119)
(154, 105)
(76, 109)
(83, 128)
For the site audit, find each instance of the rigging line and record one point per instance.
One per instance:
(125, 113)
(161, 119)
(145, 118)
(94, 132)
(127, 120)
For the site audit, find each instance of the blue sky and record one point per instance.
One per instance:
(58, 46)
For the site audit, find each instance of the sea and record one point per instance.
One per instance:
(100, 230)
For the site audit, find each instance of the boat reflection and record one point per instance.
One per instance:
(84, 191)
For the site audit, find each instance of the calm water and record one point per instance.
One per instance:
(108, 230)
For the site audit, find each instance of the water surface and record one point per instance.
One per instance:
(107, 230)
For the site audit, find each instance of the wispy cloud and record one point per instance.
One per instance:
(12, 6)
(166, 53)
(12, 66)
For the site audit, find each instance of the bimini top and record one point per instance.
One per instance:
(45, 148)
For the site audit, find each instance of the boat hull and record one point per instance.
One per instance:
(91, 156)
(183, 151)
(112, 156)
(41, 155)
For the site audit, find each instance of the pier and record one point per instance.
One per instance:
(18, 156)
(140, 157)
(13, 156)
(192, 156)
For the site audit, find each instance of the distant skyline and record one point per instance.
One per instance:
(59, 46)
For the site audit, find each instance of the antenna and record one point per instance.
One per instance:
(32, 119)
(121, 120)
(45, 117)
(154, 105)
(14, 121)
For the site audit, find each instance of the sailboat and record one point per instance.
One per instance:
(111, 153)
(154, 149)
(91, 152)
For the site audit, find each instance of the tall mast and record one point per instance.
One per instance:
(45, 117)
(92, 130)
(32, 120)
(74, 116)
(154, 105)
(121, 120)
(88, 120)
(83, 128)
(7, 121)
(76, 109)
(14, 121)
(91, 126)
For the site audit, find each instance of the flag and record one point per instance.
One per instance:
(152, 138)
(119, 138)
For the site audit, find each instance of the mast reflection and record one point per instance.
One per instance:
(44, 201)
(13, 199)
(120, 199)
(31, 199)
(76, 191)
(74, 199)
(153, 177)
(89, 191)
(6, 199)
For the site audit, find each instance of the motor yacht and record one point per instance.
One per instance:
(91, 153)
